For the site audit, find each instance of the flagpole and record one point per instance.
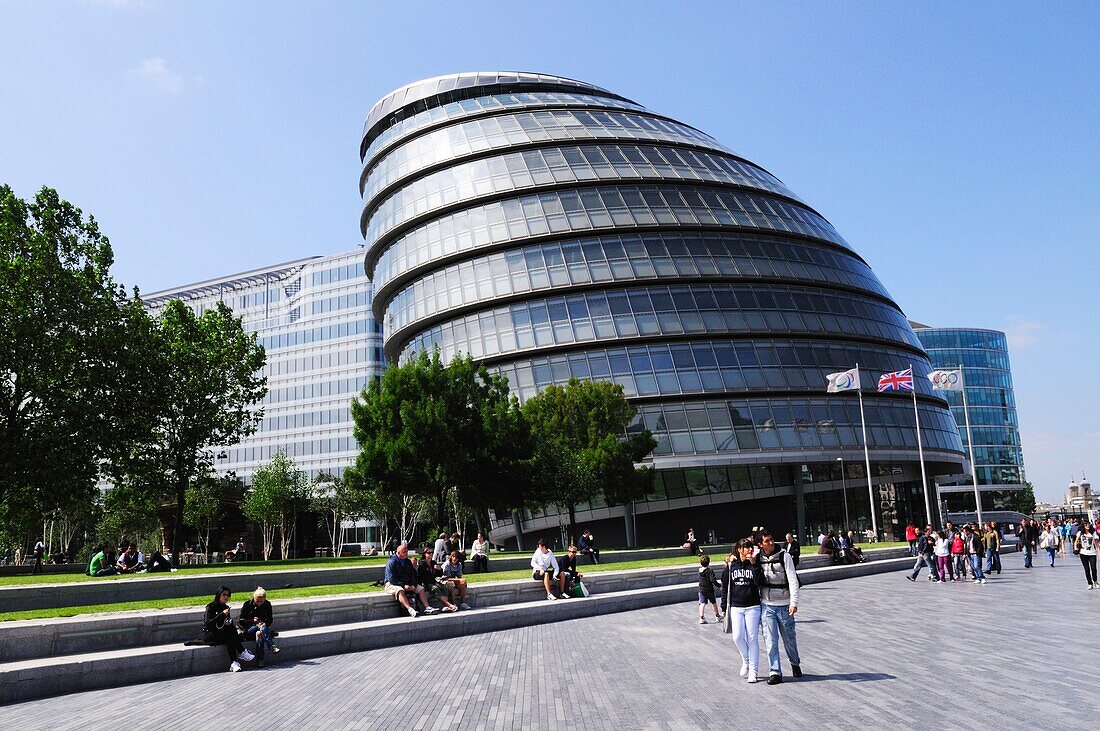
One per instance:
(970, 443)
(867, 460)
(920, 451)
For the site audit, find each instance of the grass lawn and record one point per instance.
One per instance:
(311, 591)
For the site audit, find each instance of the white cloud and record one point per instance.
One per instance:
(155, 73)
(1023, 332)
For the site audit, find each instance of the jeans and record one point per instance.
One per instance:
(264, 643)
(1050, 554)
(913, 547)
(1089, 562)
(958, 561)
(779, 622)
(992, 561)
(746, 634)
(1028, 551)
(976, 567)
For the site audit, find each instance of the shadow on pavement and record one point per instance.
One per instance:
(847, 677)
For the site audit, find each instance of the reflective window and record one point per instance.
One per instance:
(626, 258)
(555, 166)
(665, 311)
(565, 211)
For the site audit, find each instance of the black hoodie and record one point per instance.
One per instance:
(743, 582)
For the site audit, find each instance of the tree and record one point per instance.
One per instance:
(196, 394)
(64, 326)
(335, 500)
(424, 429)
(279, 491)
(126, 512)
(205, 501)
(1022, 500)
(583, 449)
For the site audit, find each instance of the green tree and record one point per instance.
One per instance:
(127, 512)
(199, 381)
(64, 325)
(205, 502)
(1022, 500)
(279, 491)
(583, 449)
(424, 429)
(335, 500)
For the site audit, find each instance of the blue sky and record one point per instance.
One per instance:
(956, 149)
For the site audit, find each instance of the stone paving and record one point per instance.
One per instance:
(879, 652)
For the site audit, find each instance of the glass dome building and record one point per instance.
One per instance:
(998, 456)
(551, 228)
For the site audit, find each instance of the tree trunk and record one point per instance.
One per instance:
(572, 526)
(441, 508)
(181, 491)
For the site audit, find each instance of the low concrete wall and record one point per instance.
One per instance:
(30, 639)
(183, 584)
(47, 568)
(28, 679)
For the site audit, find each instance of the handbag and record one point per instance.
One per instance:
(580, 590)
(686, 545)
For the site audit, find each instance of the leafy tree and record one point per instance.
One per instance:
(127, 512)
(64, 324)
(583, 449)
(424, 429)
(279, 491)
(1022, 500)
(200, 379)
(335, 500)
(205, 501)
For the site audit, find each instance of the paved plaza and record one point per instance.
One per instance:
(879, 652)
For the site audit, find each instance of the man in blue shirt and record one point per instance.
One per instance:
(400, 581)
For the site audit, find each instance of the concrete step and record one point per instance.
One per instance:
(28, 639)
(182, 584)
(621, 592)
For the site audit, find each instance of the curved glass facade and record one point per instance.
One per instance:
(983, 354)
(553, 229)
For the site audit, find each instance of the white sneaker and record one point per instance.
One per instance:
(982, 581)
(412, 612)
(235, 667)
(1090, 587)
(551, 597)
(451, 608)
(702, 621)
(744, 669)
(246, 656)
(430, 610)
(752, 676)
(563, 595)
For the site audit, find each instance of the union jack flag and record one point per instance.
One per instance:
(897, 381)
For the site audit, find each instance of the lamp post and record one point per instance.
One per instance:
(844, 491)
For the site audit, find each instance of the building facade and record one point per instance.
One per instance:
(313, 317)
(987, 377)
(551, 228)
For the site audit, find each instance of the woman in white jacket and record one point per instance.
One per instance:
(1051, 540)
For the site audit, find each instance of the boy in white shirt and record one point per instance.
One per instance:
(542, 563)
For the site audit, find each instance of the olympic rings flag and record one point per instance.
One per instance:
(946, 380)
(843, 381)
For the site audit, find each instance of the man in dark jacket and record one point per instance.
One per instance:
(255, 621)
(587, 544)
(792, 548)
(427, 575)
(1029, 540)
(926, 555)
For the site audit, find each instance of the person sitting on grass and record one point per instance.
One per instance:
(587, 544)
(158, 563)
(255, 621)
(400, 582)
(218, 629)
(231, 554)
(128, 561)
(568, 574)
(479, 549)
(542, 562)
(100, 564)
(427, 573)
(452, 577)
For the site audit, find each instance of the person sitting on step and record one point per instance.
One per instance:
(427, 575)
(255, 621)
(218, 629)
(545, 567)
(455, 582)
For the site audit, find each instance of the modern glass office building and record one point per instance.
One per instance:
(999, 458)
(551, 228)
(313, 317)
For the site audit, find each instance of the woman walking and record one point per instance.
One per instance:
(943, 557)
(1084, 545)
(743, 580)
(1050, 539)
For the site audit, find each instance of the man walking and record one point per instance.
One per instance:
(779, 600)
(793, 549)
(39, 552)
(926, 555)
(974, 550)
(992, 548)
(1029, 539)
